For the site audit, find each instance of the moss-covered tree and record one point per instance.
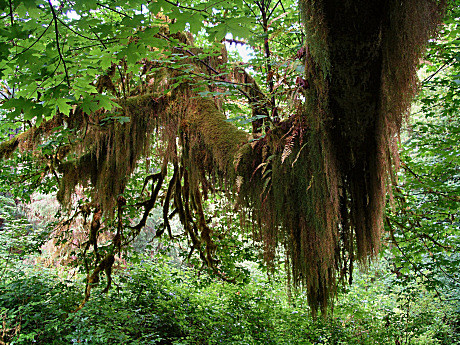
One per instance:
(315, 181)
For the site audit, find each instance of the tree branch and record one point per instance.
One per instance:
(114, 10)
(76, 32)
(57, 43)
(446, 64)
(11, 13)
(35, 42)
(274, 7)
(429, 189)
(185, 7)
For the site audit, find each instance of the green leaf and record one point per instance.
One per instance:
(106, 102)
(157, 6)
(147, 36)
(90, 105)
(180, 20)
(196, 21)
(64, 106)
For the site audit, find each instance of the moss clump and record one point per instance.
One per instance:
(219, 137)
(8, 147)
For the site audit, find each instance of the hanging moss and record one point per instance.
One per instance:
(8, 147)
(316, 182)
(360, 64)
(219, 136)
(31, 138)
(320, 184)
(109, 152)
(292, 204)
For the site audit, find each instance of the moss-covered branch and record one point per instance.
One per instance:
(317, 180)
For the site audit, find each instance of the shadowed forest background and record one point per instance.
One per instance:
(229, 172)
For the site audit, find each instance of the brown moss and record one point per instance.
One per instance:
(219, 136)
(109, 153)
(293, 204)
(360, 63)
(8, 147)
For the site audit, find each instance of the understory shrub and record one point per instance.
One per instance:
(154, 302)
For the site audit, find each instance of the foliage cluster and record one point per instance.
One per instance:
(157, 303)
(423, 226)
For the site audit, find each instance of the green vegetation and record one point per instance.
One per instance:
(155, 302)
(155, 189)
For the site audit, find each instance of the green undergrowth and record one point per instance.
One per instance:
(154, 302)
